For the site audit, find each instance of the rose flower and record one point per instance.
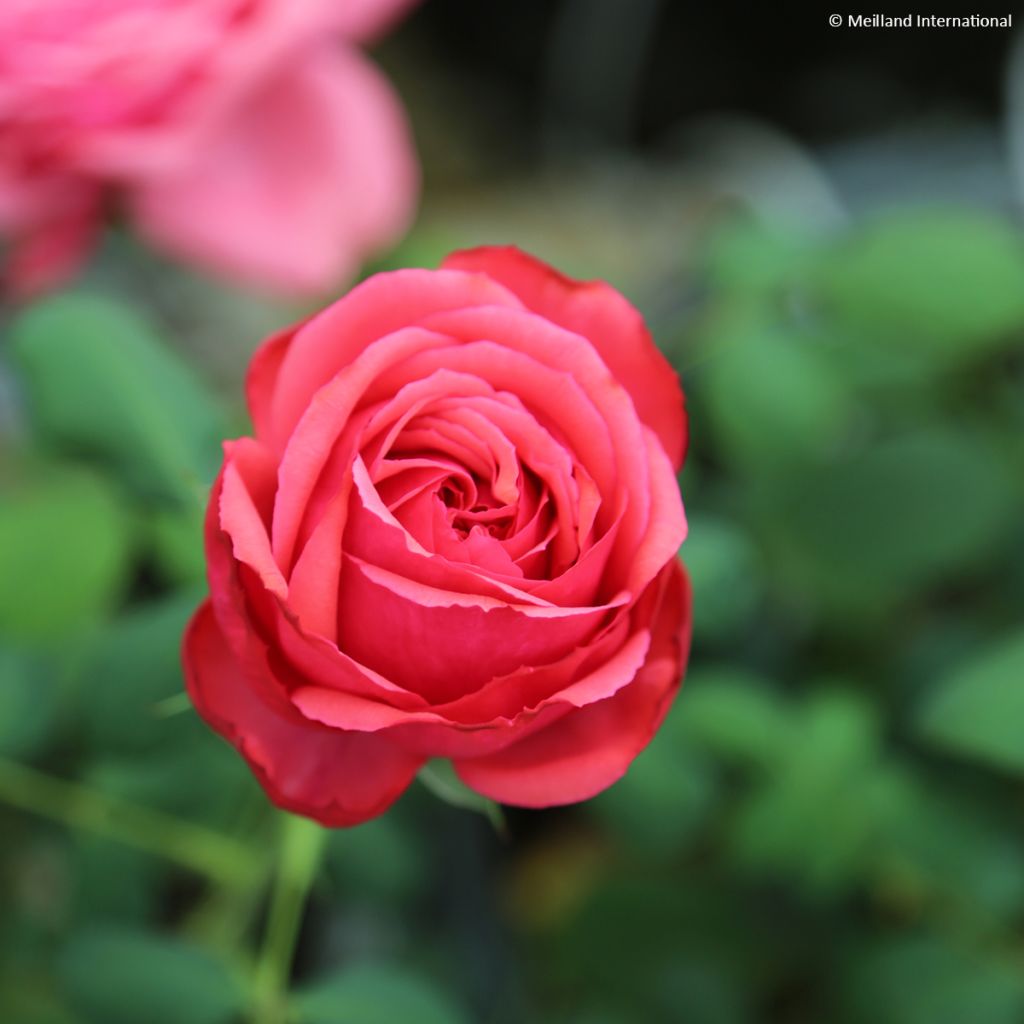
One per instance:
(453, 535)
(246, 136)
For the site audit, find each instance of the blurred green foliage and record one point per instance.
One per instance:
(99, 382)
(158, 979)
(829, 825)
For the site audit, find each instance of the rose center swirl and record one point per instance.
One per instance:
(461, 489)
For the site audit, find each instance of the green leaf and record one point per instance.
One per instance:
(747, 257)
(29, 702)
(64, 549)
(439, 777)
(380, 860)
(774, 394)
(922, 979)
(947, 282)
(112, 881)
(725, 572)
(99, 381)
(118, 976)
(176, 536)
(188, 772)
(978, 709)
(374, 995)
(817, 812)
(30, 1001)
(679, 941)
(735, 716)
(953, 851)
(133, 665)
(867, 530)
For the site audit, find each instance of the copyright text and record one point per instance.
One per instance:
(920, 21)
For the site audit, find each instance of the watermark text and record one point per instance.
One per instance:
(953, 21)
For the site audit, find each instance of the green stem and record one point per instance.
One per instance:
(190, 845)
(301, 845)
(173, 705)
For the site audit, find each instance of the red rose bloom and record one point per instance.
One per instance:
(453, 535)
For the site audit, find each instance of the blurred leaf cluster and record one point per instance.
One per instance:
(829, 825)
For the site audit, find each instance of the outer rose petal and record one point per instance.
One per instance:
(339, 778)
(247, 52)
(332, 340)
(598, 312)
(261, 377)
(586, 751)
(450, 643)
(312, 174)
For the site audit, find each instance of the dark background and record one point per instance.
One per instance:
(783, 63)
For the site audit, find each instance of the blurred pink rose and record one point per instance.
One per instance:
(250, 137)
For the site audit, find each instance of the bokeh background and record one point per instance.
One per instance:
(823, 227)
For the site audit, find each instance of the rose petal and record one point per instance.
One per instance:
(249, 613)
(523, 358)
(241, 521)
(598, 312)
(324, 420)
(525, 690)
(384, 426)
(339, 778)
(534, 361)
(562, 380)
(374, 535)
(443, 644)
(299, 185)
(261, 378)
(312, 659)
(375, 308)
(586, 751)
(314, 580)
(504, 712)
(232, 57)
(507, 710)
(424, 733)
(666, 525)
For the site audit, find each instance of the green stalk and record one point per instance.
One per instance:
(301, 846)
(187, 844)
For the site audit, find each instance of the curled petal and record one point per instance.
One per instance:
(310, 446)
(585, 752)
(377, 538)
(379, 306)
(337, 777)
(598, 312)
(509, 709)
(240, 520)
(261, 378)
(450, 643)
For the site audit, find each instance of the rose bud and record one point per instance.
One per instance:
(454, 534)
(249, 137)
